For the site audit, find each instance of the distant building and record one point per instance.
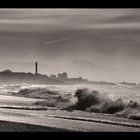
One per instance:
(80, 78)
(59, 76)
(7, 71)
(62, 76)
(53, 76)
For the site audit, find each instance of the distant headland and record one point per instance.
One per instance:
(10, 77)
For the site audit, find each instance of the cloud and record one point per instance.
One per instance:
(43, 20)
(109, 37)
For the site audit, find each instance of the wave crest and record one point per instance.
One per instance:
(92, 101)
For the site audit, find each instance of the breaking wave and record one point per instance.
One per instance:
(93, 101)
(83, 99)
(51, 98)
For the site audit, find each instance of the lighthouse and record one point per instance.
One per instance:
(36, 68)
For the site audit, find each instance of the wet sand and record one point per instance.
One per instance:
(61, 121)
(6, 126)
(23, 120)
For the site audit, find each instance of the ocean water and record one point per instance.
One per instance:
(113, 92)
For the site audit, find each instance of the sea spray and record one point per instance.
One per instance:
(83, 99)
(92, 101)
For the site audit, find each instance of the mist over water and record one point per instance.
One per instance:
(112, 92)
(121, 100)
(93, 101)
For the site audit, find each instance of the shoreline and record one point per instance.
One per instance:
(67, 115)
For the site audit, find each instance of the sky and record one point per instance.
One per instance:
(106, 39)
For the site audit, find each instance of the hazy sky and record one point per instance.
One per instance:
(110, 38)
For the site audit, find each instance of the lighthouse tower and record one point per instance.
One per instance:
(36, 68)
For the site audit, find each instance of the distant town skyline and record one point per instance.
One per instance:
(107, 39)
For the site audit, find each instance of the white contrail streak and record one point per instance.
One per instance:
(54, 41)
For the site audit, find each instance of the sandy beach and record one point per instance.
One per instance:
(50, 120)
(6, 126)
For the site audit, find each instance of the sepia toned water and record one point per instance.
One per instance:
(48, 117)
(114, 92)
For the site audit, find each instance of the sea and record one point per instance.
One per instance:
(116, 91)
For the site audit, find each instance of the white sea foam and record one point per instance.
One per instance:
(113, 92)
